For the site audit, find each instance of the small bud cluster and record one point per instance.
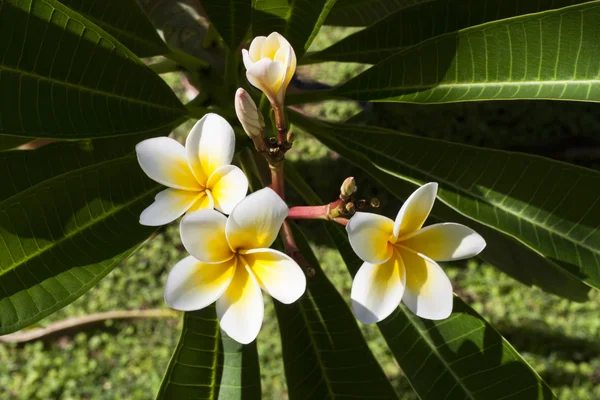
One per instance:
(347, 205)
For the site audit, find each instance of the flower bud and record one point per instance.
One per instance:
(348, 187)
(252, 121)
(270, 64)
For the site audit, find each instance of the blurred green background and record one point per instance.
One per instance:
(126, 359)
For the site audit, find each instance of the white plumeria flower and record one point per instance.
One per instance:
(400, 260)
(270, 64)
(198, 175)
(231, 261)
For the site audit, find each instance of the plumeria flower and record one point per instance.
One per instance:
(270, 64)
(198, 175)
(400, 260)
(230, 262)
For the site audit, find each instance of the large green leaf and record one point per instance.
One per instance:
(298, 20)
(460, 357)
(547, 55)
(125, 20)
(325, 355)
(552, 238)
(69, 213)
(62, 76)
(207, 364)
(409, 26)
(231, 18)
(365, 13)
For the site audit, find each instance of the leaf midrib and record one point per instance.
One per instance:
(473, 195)
(478, 84)
(33, 75)
(315, 345)
(83, 227)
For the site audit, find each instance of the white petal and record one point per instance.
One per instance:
(193, 285)
(163, 160)
(203, 236)
(270, 46)
(428, 290)
(265, 75)
(255, 48)
(210, 145)
(445, 242)
(240, 309)
(369, 236)
(228, 186)
(246, 59)
(277, 273)
(255, 222)
(377, 289)
(415, 210)
(205, 201)
(168, 205)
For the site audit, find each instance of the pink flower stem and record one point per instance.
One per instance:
(308, 212)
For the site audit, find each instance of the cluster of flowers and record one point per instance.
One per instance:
(230, 257)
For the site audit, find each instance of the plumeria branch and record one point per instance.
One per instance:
(291, 248)
(338, 211)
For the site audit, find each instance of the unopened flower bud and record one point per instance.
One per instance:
(348, 187)
(375, 203)
(252, 121)
(270, 64)
(350, 208)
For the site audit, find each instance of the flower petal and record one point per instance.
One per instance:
(246, 58)
(203, 236)
(277, 274)
(377, 289)
(168, 205)
(428, 290)
(369, 236)
(193, 285)
(163, 160)
(255, 48)
(203, 202)
(210, 144)
(228, 186)
(415, 210)
(270, 46)
(241, 309)
(255, 222)
(445, 242)
(265, 75)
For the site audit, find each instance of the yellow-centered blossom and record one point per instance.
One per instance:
(270, 64)
(400, 260)
(230, 262)
(198, 175)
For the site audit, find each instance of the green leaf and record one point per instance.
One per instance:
(460, 357)
(324, 353)
(69, 214)
(207, 364)
(125, 20)
(535, 230)
(61, 76)
(298, 21)
(409, 26)
(365, 13)
(547, 55)
(231, 19)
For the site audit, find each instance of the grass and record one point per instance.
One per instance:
(126, 360)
